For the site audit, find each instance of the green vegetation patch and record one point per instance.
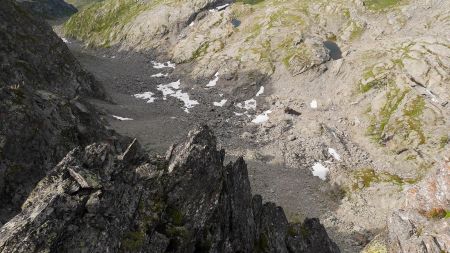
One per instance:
(413, 111)
(379, 122)
(379, 5)
(375, 83)
(262, 245)
(436, 213)
(251, 2)
(201, 51)
(133, 241)
(175, 215)
(100, 23)
(357, 31)
(285, 18)
(369, 176)
(375, 246)
(443, 141)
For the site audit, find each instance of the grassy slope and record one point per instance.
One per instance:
(99, 24)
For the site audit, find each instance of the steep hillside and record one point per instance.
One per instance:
(48, 9)
(42, 110)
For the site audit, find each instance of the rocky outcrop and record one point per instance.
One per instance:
(48, 9)
(422, 225)
(100, 199)
(43, 115)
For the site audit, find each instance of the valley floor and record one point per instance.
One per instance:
(157, 123)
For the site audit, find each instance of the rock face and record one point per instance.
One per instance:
(42, 112)
(48, 9)
(33, 55)
(422, 225)
(99, 199)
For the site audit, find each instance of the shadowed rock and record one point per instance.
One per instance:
(42, 112)
(48, 9)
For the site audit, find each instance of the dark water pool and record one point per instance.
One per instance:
(335, 51)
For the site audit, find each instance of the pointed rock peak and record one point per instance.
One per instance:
(202, 135)
(199, 140)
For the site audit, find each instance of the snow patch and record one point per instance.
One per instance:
(313, 104)
(121, 118)
(433, 97)
(168, 89)
(320, 171)
(160, 75)
(221, 7)
(213, 82)
(263, 117)
(149, 96)
(188, 103)
(248, 104)
(334, 154)
(260, 92)
(221, 103)
(65, 40)
(173, 90)
(158, 65)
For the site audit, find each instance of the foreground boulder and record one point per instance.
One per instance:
(98, 199)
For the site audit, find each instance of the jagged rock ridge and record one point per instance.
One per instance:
(101, 200)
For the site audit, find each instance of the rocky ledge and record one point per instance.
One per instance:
(99, 199)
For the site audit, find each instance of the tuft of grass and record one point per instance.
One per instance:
(262, 245)
(176, 216)
(436, 213)
(346, 13)
(443, 141)
(357, 31)
(304, 231)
